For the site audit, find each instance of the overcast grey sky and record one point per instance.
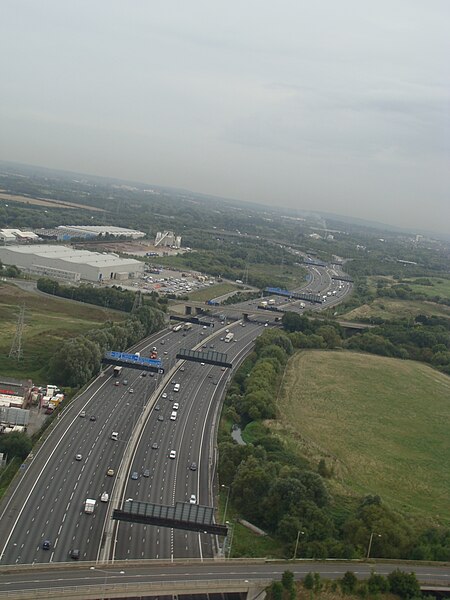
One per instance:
(334, 106)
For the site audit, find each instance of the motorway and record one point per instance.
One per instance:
(48, 502)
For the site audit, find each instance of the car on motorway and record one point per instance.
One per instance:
(117, 383)
(203, 364)
(193, 499)
(175, 406)
(82, 414)
(131, 391)
(104, 497)
(222, 339)
(193, 466)
(166, 353)
(46, 545)
(125, 382)
(75, 554)
(146, 473)
(157, 407)
(78, 456)
(182, 369)
(222, 369)
(155, 446)
(134, 475)
(110, 472)
(160, 418)
(173, 416)
(162, 342)
(173, 454)
(92, 418)
(164, 395)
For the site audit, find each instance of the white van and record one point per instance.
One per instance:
(173, 416)
(176, 387)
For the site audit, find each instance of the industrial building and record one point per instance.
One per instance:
(67, 263)
(167, 238)
(15, 236)
(67, 232)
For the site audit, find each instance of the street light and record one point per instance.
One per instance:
(296, 543)
(370, 543)
(226, 502)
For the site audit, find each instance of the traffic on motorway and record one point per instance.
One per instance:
(148, 437)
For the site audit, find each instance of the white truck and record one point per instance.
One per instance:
(229, 337)
(89, 506)
(272, 301)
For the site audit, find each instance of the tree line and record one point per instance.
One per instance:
(113, 297)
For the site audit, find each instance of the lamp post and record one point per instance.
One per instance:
(226, 502)
(296, 543)
(369, 547)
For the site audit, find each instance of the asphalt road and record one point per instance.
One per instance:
(122, 573)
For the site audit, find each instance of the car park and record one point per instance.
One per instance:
(193, 499)
(173, 454)
(110, 472)
(46, 545)
(82, 414)
(134, 475)
(78, 456)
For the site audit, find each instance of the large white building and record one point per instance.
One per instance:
(82, 231)
(13, 236)
(67, 263)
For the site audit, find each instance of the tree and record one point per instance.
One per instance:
(276, 591)
(15, 444)
(308, 581)
(348, 582)
(404, 584)
(377, 584)
(287, 580)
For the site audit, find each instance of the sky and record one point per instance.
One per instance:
(340, 107)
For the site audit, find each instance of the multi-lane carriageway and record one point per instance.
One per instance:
(47, 503)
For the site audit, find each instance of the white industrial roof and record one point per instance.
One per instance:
(18, 233)
(74, 256)
(98, 229)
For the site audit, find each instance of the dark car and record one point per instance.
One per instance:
(193, 466)
(75, 554)
(92, 418)
(155, 446)
(46, 545)
(157, 407)
(134, 475)
(146, 473)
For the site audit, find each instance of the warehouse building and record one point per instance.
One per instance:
(66, 232)
(70, 264)
(15, 236)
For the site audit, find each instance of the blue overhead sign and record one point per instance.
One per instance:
(133, 358)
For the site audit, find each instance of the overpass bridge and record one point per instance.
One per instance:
(249, 577)
(194, 309)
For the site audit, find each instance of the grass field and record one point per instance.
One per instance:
(48, 321)
(440, 287)
(212, 291)
(381, 424)
(389, 309)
